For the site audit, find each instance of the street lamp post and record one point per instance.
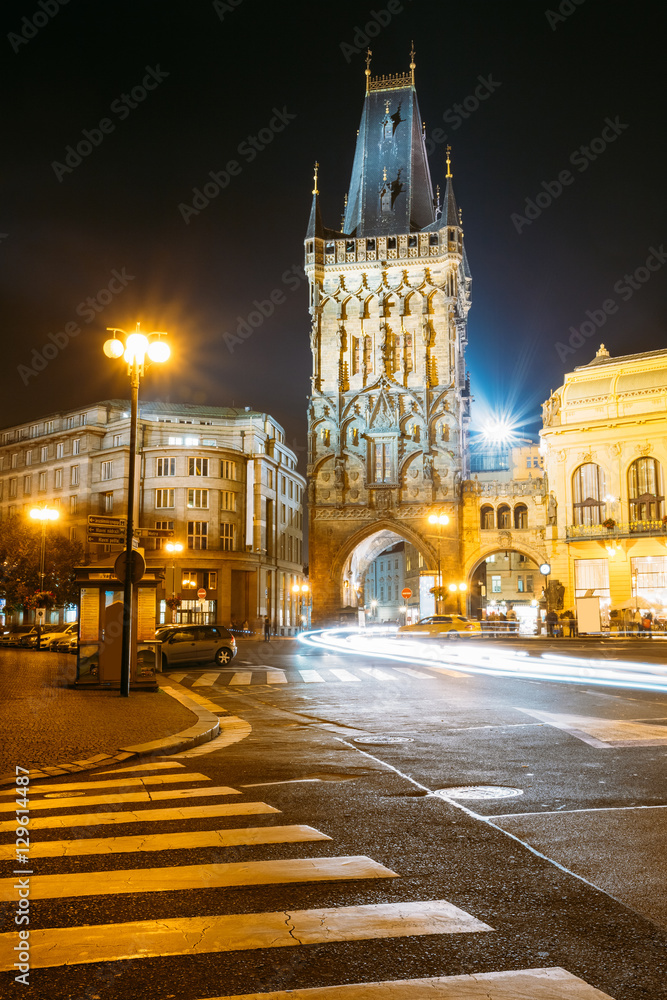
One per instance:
(545, 570)
(173, 547)
(441, 520)
(137, 345)
(43, 514)
(300, 591)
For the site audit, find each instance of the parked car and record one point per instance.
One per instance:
(442, 627)
(188, 644)
(28, 637)
(12, 634)
(67, 631)
(49, 632)
(69, 643)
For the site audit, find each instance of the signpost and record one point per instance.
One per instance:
(106, 530)
(154, 532)
(201, 594)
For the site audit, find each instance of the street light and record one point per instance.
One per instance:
(300, 591)
(43, 514)
(441, 520)
(136, 348)
(545, 569)
(173, 547)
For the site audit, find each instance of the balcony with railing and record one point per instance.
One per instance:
(621, 529)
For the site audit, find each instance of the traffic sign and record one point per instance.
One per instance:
(201, 594)
(406, 593)
(101, 521)
(155, 532)
(138, 566)
(107, 539)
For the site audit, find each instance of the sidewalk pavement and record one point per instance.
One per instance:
(52, 728)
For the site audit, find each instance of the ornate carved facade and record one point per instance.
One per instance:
(389, 298)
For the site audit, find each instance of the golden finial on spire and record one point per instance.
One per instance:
(412, 62)
(368, 70)
(449, 163)
(384, 173)
(460, 217)
(315, 191)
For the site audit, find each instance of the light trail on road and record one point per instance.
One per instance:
(475, 658)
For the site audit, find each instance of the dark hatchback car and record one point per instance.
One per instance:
(187, 644)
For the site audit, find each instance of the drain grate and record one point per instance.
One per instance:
(479, 792)
(381, 740)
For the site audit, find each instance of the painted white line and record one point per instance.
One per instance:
(447, 671)
(180, 877)
(142, 816)
(99, 800)
(242, 677)
(380, 675)
(176, 677)
(206, 680)
(189, 840)
(276, 677)
(199, 935)
(526, 984)
(567, 812)
(71, 786)
(345, 676)
(604, 734)
(414, 673)
(232, 730)
(158, 765)
(312, 677)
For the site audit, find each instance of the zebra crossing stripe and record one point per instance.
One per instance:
(380, 675)
(311, 677)
(345, 675)
(177, 677)
(100, 800)
(72, 786)
(177, 877)
(414, 673)
(188, 840)
(55, 946)
(276, 677)
(143, 816)
(158, 765)
(242, 677)
(536, 984)
(206, 680)
(232, 730)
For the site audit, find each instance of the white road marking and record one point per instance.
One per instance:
(448, 672)
(99, 800)
(155, 779)
(176, 677)
(604, 734)
(413, 673)
(530, 984)
(142, 816)
(312, 677)
(188, 840)
(242, 677)
(52, 947)
(380, 675)
(276, 677)
(345, 676)
(567, 812)
(180, 877)
(158, 765)
(232, 730)
(206, 680)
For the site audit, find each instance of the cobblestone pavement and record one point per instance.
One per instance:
(44, 721)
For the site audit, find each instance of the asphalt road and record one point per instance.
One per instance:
(565, 871)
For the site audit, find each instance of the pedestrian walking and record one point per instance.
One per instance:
(552, 621)
(512, 623)
(267, 629)
(637, 619)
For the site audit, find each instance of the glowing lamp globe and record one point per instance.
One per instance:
(136, 346)
(159, 351)
(114, 348)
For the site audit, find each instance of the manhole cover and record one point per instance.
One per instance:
(479, 792)
(383, 739)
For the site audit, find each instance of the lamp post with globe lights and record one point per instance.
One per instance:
(441, 520)
(301, 592)
(137, 347)
(43, 514)
(173, 547)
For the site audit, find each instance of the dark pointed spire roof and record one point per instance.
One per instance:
(315, 226)
(450, 211)
(390, 190)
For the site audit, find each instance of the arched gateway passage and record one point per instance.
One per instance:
(502, 580)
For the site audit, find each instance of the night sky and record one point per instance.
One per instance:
(219, 73)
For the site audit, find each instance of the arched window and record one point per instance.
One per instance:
(645, 490)
(521, 516)
(504, 517)
(588, 492)
(368, 354)
(486, 517)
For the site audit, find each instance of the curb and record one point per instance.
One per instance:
(204, 729)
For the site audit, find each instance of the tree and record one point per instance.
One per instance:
(20, 543)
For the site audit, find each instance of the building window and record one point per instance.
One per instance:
(645, 490)
(72, 505)
(209, 442)
(117, 440)
(198, 467)
(13, 485)
(76, 446)
(188, 579)
(521, 516)
(175, 440)
(27, 484)
(28, 458)
(164, 498)
(227, 500)
(60, 450)
(529, 584)
(593, 575)
(34, 430)
(197, 534)
(165, 466)
(588, 491)
(228, 470)
(649, 578)
(164, 526)
(83, 419)
(107, 503)
(504, 517)
(107, 470)
(72, 530)
(282, 485)
(383, 464)
(519, 584)
(486, 517)
(74, 475)
(211, 579)
(44, 453)
(227, 533)
(197, 498)
(48, 427)
(496, 584)
(291, 490)
(269, 478)
(69, 423)
(58, 479)
(15, 460)
(42, 482)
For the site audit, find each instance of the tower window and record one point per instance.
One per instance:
(391, 243)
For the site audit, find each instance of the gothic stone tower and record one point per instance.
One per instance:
(389, 297)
